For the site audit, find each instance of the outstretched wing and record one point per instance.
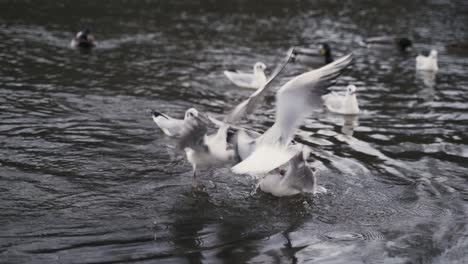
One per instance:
(299, 97)
(295, 101)
(250, 104)
(265, 158)
(193, 133)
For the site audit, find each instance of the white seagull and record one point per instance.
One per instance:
(202, 148)
(171, 126)
(254, 80)
(428, 63)
(345, 104)
(295, 100)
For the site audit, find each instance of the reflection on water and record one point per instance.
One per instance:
(427, 78)
(349, 123)
(87, 177)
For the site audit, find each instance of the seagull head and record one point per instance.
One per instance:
(190, 113)
(351, 89)
(259, 66)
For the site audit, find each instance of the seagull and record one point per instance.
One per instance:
(205, 149)
(83, 39)
(346, 104)
(295, 100)
(428, 63)
(298, 178)
(192, 137)
(254, 80)
(172, 127)
(401, 43)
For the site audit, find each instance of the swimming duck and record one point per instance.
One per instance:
(428, 63)
(324, 54)
(253, 80)
(401, 43)
(346, 104)
(83, 39)
(325, 51)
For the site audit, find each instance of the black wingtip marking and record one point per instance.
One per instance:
(156, 114)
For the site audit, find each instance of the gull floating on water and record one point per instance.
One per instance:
(254, 80)
(428, 63)
(83, 39)
(295, 100)
(346, 104)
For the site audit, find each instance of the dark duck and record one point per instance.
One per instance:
(323, 56)
(401, 43)
(83, 39)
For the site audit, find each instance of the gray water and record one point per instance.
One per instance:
(85, 175)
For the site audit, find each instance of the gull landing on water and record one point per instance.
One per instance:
(207, 150)
(342, 104)
(295, 100)
(254, 80)
(428, 63)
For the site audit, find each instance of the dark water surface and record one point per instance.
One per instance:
(85, 176)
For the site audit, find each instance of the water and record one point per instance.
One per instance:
(85, 176)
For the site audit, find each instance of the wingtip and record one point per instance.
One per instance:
(349, 56)
(155, 114)
(230, 70)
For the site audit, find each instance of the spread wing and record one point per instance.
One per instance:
(297, 98)
(250, 104)
(294, 102)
